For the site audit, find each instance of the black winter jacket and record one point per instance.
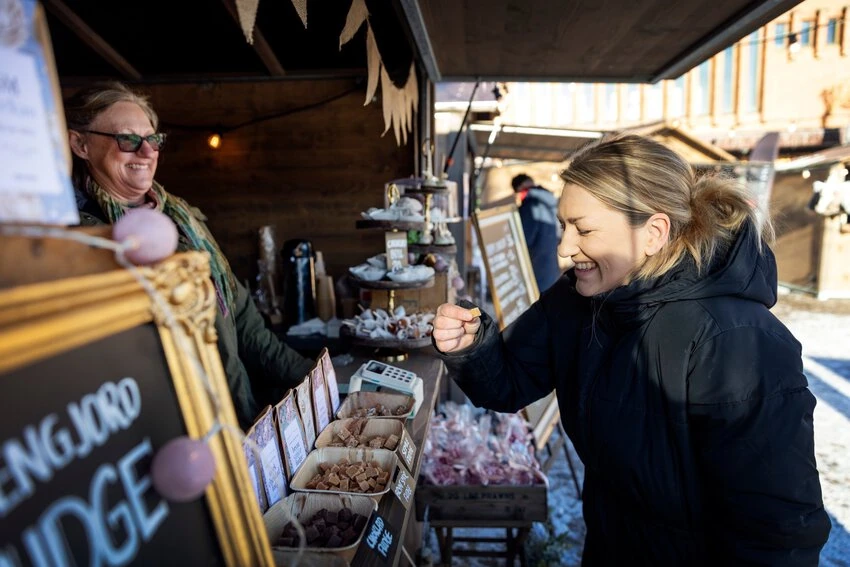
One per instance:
(686, 400)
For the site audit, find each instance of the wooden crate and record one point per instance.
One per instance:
(477, 504)
(416, 300)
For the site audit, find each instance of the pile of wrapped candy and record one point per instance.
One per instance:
(470, 446)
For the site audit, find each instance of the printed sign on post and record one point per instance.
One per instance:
(304, 399)
(271, 463)
(320, 398)
(34, 182)
(291, 432)
(396, 250)
(330, 380)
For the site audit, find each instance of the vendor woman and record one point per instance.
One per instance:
(115, 144)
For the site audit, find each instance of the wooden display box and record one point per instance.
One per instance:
(476, 504)
(419, 300)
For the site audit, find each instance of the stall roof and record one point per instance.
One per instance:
(583, 40)
(529, 143)
(579, 40)
(823, 158)
(557, 144)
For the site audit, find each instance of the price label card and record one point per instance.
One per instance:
(320, 398)
(406, 450)
(396, 250)
(380, 539)
(291, 431)
(404, 487)
(330, 379)
(304, 399)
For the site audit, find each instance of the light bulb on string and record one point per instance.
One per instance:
(214, 140)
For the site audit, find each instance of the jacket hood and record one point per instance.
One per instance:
(742, 271)
(543, 195)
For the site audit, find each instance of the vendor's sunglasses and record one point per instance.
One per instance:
(132, 142)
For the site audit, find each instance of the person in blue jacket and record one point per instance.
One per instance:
(683, 394)
(538, 211)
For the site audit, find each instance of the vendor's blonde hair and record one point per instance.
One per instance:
(639, 177)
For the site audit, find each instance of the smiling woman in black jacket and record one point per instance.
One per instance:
(684, 396)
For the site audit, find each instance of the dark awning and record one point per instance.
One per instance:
(589, 41)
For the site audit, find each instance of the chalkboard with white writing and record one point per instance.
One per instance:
(509, 271)
(94, 382)
(79, 431)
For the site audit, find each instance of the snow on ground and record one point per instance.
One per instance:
(823, 328)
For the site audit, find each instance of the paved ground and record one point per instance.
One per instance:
(823, 328)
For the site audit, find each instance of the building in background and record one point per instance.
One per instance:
(790, 76)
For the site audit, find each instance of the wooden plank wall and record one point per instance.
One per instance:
(309, 174)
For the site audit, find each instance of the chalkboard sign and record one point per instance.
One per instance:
(92, 385)
(509, 272)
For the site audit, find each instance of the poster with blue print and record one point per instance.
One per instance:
(35, 185)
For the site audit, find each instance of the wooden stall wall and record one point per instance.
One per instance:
(309, 173)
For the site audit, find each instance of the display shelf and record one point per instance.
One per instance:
(392, 285)
(401, 225)
(391, 343)
(433, 248)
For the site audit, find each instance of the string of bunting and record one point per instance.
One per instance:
(399, 103)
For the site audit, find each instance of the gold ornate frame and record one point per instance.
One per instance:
(39, 320)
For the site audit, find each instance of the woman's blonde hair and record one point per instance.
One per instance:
(84, 106)
(640, 177)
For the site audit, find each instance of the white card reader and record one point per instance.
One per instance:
(384, 375)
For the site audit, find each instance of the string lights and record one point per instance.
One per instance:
(215, 134)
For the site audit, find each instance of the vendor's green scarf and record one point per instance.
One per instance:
(194, 234)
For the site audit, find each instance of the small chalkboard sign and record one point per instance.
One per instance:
(92, 385)
(509, 272)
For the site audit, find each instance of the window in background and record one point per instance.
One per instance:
(521, 103)
(701, 82)
(831, 31)
(632, 102)
(781, 33)
(654, 102)
(806, 28)
(752, 101)
(676, 98)
(611, 103)
(564, 103)
(586, 107)
(728, 80)
(544, 108)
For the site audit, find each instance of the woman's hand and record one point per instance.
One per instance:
(455, 327)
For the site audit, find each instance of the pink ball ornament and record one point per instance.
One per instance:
(153, 233)
(182, 469)
(458, 283)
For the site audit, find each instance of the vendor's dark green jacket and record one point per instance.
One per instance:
(259, 367)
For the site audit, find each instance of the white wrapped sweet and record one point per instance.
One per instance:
(368, 272)
(412, 274)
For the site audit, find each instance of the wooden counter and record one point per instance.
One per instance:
(395, 517)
